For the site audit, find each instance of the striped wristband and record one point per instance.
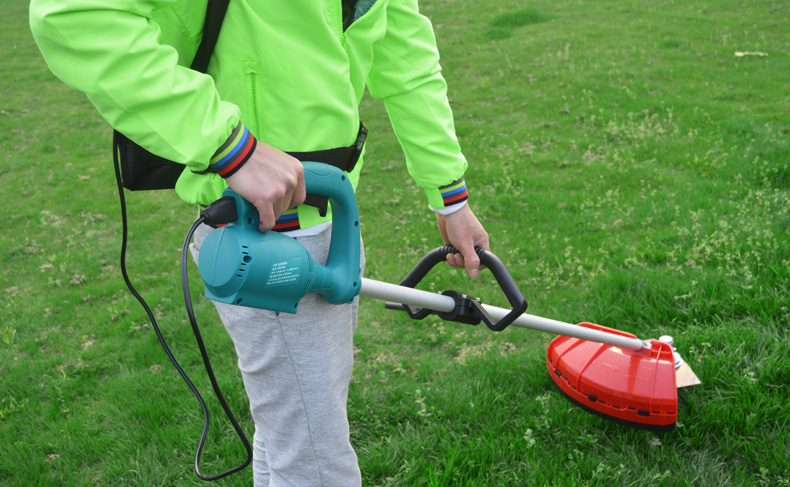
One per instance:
(236, 151)
(454, 193)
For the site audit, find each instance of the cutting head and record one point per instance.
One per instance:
(634, 388)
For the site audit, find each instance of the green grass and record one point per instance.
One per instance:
(631, 170)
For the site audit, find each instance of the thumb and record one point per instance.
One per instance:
(471, 259)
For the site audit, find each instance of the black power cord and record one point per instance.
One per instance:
(219, 210)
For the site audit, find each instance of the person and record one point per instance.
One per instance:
(284, 76)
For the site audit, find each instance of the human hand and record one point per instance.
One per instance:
(272, 181)
(463, 231)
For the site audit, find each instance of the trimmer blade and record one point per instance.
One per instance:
(686, 377)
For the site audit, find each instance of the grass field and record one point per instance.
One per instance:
(632, 169)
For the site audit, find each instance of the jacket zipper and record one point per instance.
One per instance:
(252, 81)
(338, 20)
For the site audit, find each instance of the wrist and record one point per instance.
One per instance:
(234, 153)
(447, 199)
(449, 210)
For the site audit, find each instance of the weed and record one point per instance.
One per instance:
(7, 334)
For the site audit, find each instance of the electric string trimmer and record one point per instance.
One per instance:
(605, 371)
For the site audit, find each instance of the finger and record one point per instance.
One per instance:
(484, 243)
(266, 219)
(471, 262)
(298, 197)
(284, 203)
(299, 194)
(455, 260)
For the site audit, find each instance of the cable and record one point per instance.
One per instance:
(209, 370)
(193, 322)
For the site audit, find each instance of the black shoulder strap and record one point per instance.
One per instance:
(142, 170)
(215, 14)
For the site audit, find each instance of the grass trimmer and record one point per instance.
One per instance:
(605, 371)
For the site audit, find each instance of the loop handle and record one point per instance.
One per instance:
(512, 292)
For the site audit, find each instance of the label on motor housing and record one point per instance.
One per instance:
(284, 272)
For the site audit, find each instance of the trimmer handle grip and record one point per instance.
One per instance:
(512, 292)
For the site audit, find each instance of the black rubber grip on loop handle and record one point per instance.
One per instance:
(512, 292)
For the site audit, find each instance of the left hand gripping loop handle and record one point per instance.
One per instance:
(512, 292)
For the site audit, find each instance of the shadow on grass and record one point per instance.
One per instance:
(503, 24)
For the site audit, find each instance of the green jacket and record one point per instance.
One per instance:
(286, 69)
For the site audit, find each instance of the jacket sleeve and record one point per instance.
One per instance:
(406, 74)
(111, 50)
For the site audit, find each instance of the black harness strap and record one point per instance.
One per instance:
(142, 170)
(344, 158)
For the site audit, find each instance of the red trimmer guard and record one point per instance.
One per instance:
(634, 388)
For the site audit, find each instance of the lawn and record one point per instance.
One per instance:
(631, 161)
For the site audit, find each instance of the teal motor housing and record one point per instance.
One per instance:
(242, 266)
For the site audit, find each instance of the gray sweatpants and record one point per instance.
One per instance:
(296, 371)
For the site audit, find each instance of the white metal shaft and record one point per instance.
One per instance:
(404, 295)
